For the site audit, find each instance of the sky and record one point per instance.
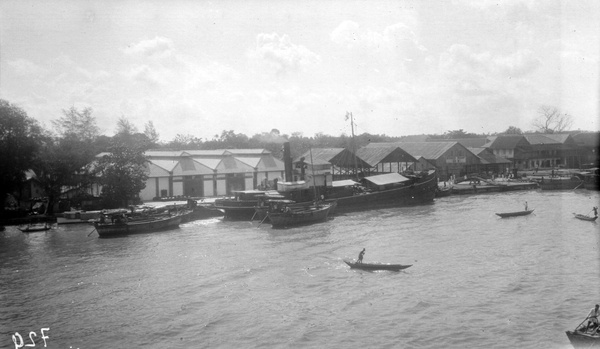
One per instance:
(400, 67)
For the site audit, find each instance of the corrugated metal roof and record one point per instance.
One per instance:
(263, 163)
(194, 153)
(428, 150)
(319, 156)
(187, 166)
(506, 142)
(163, 153)
(340, 157)
(467, 142)
(208, 162)
(539, 138)
(487, 156)
(385, 153)
(387, 178)
(168, 165)
(588, 139)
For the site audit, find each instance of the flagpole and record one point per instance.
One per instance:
(352, 144)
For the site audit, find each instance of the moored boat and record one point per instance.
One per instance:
(35, 227)
(241, 205)
(514, 214)
(561, 183)
(123, 226)
(289, 216)
(377, 266)
(406, 191)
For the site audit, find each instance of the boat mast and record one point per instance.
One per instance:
(352, 143)
(312, 167)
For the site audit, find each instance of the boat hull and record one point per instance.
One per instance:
(137, 227)
(374, 267)
(514, 214)
(585, 218)
(583, 340)
(35, 228)
(300, 217)
(422, 191)
(562, 184)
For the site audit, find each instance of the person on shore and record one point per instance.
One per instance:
(360, 256)
(592, 317)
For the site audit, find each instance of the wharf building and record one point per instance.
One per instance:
(208, 173)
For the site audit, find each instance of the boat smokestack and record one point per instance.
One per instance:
(287, 161)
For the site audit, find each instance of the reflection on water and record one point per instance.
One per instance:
(477, 280)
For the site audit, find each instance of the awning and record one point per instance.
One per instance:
(387, 178)
(343, 183)
(291, 186)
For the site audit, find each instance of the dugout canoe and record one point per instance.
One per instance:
(377, 266)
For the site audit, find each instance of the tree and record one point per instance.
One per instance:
(123, 174)
(187, 141)
(19, 142)
(61, 163)
(151, 133)
(125, 127)
(77, 124)
(513, 130)
(551, 120)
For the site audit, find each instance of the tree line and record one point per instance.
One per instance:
(65, 156)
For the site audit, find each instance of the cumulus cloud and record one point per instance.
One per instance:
(475, 73)
(157, 47)
(396, 48)
(280, 54)
(518, 64)
(25, 67)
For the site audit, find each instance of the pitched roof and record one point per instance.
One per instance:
(487, 156)
(467, 142)
(263, 163)
(539, 138)
(340, 157)
(163, 153)
(506, 141)
(428, 150)
(319, 156)
(587, 139)
(384, 153)
(167, 165)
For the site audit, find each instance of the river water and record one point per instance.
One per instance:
(477, 281)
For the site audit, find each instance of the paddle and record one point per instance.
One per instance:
(580, 324)
(91, 232)
(261, 222)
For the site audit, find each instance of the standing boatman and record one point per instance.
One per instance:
(360, 256)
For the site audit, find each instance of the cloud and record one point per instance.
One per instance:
(518, 64)
(23, 67)
(395, 49)
(157, 47)
(280, 54)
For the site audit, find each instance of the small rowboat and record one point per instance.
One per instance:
(514, 214)
(32, 228)
(585, 218)
(580, 339)
(377, 266)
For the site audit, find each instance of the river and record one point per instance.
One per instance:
(477, 281)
